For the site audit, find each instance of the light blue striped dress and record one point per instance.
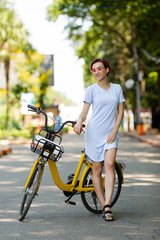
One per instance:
(104, 111)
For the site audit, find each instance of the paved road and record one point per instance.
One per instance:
(137, 211)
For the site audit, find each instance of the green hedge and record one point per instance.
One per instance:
(15, 133)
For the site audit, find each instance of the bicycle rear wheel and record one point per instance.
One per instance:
(89, 198)
(30, 192)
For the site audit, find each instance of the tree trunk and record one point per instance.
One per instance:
(158, 85)
(138, 94)
(7, 64)
(158, 115)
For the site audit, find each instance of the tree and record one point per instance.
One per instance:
(31, 76)
(13, 36)
(118, 30)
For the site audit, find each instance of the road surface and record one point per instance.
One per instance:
(137, 212)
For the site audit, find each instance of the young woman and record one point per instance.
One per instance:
(101, 134)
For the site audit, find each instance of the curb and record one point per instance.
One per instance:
(15, 141)
(144, 139)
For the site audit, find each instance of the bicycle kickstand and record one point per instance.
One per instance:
(68, 200)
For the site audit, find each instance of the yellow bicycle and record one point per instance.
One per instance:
(47, 144)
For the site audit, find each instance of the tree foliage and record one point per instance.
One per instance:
(12, 38)
(15, 46)
(30, 75)
(125, 32)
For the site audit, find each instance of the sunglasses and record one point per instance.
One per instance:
(99, 69)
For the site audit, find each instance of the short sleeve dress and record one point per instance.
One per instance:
(104, 111)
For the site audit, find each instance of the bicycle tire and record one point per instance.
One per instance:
(87, 197)
(30, 192)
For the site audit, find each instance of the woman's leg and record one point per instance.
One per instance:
(109, 163)
(97, 182)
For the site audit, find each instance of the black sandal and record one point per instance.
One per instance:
(107, 217)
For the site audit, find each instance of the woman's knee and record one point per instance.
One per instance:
(97, 169)
(110, 157)
(110, 163)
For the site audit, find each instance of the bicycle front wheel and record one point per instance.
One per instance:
(30, 192)
(90, 199)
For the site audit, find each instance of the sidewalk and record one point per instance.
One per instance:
(5, 145)
(149, 137)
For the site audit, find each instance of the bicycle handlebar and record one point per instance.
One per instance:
(38, 110)
(33, 107)
(72, 122)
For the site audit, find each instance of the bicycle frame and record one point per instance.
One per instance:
(57, 180)
(70, 187)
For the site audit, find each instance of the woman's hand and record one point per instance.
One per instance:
(78, 128)
(111, 137)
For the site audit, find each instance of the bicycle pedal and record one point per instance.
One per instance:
(70, 202)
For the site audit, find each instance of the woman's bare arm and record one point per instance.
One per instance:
(82, 118)
(112, 136)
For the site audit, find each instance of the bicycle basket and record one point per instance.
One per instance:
(46, 148)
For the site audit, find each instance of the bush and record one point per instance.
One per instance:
(15, 133)
(16, 124)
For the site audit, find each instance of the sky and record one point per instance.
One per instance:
(50, 38)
